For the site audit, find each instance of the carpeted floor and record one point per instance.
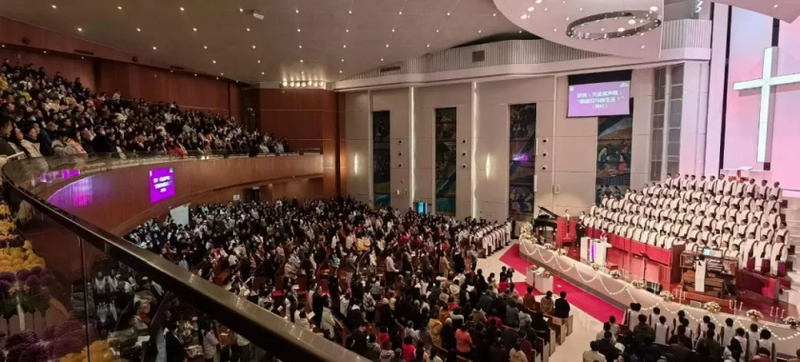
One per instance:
(578, 298)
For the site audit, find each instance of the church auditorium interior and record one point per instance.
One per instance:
(400, 180)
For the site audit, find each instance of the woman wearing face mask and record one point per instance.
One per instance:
(29, 142)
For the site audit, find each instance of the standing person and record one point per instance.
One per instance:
(210, 343)
(464, 342)
(174, 347)
(562, 307)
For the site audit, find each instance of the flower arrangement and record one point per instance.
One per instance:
(526, 231)
(638, 283)
(547, 274)
(549, 246)
(98, 351)
(616, 274)
(562, 251)
(791, 321)
(14, 259)
(666, 295)
(712, 307)
(754, 315)
(595, 266)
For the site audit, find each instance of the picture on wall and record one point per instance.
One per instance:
(614, 138)
(522, 155)
(446, 162)
(381, 159)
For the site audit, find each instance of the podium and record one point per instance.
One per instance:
(594, 251)
(543, 284)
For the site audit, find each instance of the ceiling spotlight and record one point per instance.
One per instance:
(262, 73)
(213, 62)
(524, 16)
(44, 51)
(221, 73)
(538, 1)
(448, 14)
(119, 7)
(298, 30)
(248, 29)
(344, 46)
(654, 8)
(285, 83)
(632, 22)
(217, 78)
(642, 46)
(80, 29)
(567, 19)
(194, 29)
(302, 72)
(428, 45)
(54, 6)
(82, 58)
(301, 60)
(392, 30)
(581, 9)
(182, 9)
(555, 30)
(342, 60)
(495, 14)
(520, 31)
(774, 7)
(530, 9)
(195, 74)
(254, 46)
(241, 10)
(139, 29)
(258, 61)
(340, 72)
(349, 11)
(381, 59)
(621, 29)
(297, 11)
(300, 46)
(155, 48)
(480, 31)
(205, 46)
(401, 13)
(291, 84)
(602, 29)
(437, 30)
(171, 71)
(387, 45)
(545, 9)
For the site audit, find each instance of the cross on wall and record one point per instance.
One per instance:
(767, 83)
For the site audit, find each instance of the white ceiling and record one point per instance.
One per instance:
(222, 27)
(786, 10)
(549, 19)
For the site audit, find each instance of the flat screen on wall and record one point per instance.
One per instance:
(600, 99)
(162, 184)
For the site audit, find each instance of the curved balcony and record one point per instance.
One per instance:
(77, 207)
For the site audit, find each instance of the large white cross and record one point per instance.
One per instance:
(769, 80)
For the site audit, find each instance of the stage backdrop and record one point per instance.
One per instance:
(751, 34)
(381, 169)
(522, 166)
(445, 119)
(614, 138)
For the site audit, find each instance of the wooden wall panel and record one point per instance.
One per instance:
(118, 200)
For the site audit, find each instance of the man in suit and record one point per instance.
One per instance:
(561, 309)
(359, 342)
(714, 348)
(606, 347)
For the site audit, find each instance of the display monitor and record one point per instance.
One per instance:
(600, 99)
(162, 184)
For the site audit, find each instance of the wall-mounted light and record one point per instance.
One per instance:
(488, 164)
(355, 164)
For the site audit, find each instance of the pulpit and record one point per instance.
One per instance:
(719, 273)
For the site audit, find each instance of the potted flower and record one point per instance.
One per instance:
(547, 274)
(562, 251)
(549, 246)
(754, 315)
(666, 295)
(595, 266)
(792, 322)
(712, 307)
(615, 274)
(638, 283)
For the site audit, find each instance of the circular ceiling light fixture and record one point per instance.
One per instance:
(648, 21)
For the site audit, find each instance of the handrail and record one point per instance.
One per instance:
(267, 330)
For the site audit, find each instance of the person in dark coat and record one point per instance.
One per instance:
(562, 307)
(359, 339)
(174, 347)
(498, 353)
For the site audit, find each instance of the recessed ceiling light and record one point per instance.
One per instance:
(254, 46)
(194, 29)
(448, 14)
(524, 16)
(621, 29)
(392, 30)
(344, 46)
(182, 9)
(340, 72)
(775, 7)
(262, 73)
(205, 46)
(538, 1)
(213, 62)
(545, 9)
(531, 9)
(346, 30)
(642, 46)
(495, 14)
(221, 73)
(54, 6)
(400, 13)
(241, 10)
(300, 46)
(381, 59)
(387, 45)
(302, 72)
(195, 74)
(258, 61)
(520, 31)
(301, 60)
(171, 71)
(119, 7)
(568, 19)
(248, 29)
(297, 11)
(654, 8)
(80, 29)
(298, 30)
(44, 51)
(555, 30)
(581, 9)
(155, 48)
(342, 60)
(217, 78)
(632, 22)
(139, 29)
(437, 30)
(81, 57)
(428, 46)
(480, 31)
(602, 29)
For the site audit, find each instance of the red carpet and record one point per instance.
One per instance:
(579, 298)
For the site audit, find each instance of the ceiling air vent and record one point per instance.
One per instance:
(478, 56)
(391, 68)
(83, 52)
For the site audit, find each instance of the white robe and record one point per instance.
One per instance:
(662, 333)
(700, 276)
